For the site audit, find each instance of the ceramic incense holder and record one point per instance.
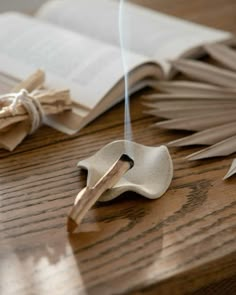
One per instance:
(150, 176)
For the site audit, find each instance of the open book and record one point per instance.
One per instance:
(76, 42)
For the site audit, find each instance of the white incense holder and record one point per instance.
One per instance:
(150, 176)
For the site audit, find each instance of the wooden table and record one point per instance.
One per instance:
(183, 242)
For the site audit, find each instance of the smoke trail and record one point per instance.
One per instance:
(127, 123)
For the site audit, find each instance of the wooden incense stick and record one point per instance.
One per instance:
(33, 82)
(89, 195)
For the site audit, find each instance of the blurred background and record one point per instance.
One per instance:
(27, 6)
(177, 8)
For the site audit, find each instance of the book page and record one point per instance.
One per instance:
(149, 33)
(89, 68)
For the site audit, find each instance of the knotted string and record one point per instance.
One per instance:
(29, 102)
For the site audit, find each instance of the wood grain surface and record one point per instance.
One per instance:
(184, 242)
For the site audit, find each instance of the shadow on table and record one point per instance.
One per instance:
(114, 238)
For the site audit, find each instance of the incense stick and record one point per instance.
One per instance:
(32, 82)
(88, 196)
